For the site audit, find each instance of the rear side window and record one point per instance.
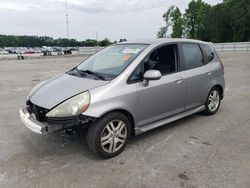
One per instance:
(193, 56)
(209, 52)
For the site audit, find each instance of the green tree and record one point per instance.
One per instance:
(91, 42)
(177, 23)
(36, 41)
(195, 16)
(173, 18)
(162, 32)
(217, 24)
(105, 42)
(167, 18)
(228, 21)
(239, 11)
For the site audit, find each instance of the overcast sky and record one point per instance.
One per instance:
(114, 19)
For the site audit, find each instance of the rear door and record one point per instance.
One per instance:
(197, 75)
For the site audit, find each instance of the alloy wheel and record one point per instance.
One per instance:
(213, 100)
(113, 136)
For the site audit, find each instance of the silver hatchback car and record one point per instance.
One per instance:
(128, 88)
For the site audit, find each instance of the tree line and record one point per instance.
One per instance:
(37, 41)
(228, 21)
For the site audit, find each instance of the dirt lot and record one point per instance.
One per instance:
(195, 152)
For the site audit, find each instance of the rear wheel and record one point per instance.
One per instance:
(213, 101)
(108, 136)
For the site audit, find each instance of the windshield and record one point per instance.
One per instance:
(111, 61)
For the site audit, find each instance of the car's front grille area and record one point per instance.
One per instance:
(39, 112)
(64, 120)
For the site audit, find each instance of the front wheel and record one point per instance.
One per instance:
(108, 136)
(213, 101)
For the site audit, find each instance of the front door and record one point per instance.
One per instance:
(165, 97)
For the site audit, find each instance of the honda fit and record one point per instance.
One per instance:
(128, 88)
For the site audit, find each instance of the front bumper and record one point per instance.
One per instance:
(51, 124)
(30, 122)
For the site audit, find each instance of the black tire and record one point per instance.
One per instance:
(96, 131)
(208, 110)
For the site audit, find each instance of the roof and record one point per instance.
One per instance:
(160, 40)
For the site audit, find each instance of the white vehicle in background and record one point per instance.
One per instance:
(2, 51)
(37, 50)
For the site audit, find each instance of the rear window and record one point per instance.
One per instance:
(193, 56)
(209, 52)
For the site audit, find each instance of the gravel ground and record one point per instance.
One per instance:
(194, 152)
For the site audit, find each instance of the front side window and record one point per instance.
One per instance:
(193, 56)
(111, 61)
(163, 59)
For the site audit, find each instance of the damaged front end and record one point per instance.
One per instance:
(34, 117)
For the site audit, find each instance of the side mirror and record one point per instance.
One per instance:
(151, 75)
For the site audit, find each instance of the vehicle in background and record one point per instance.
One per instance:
(32, 50)
(28, 51)
(2, 51)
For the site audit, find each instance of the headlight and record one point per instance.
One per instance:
(35, 89)
(71, 107)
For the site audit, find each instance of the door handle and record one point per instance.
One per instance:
(178, 80)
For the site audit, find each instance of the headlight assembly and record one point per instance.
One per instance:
(71, 107)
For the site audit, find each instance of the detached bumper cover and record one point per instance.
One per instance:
(30, 122)
(51, 124)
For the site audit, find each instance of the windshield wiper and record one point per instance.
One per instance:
(74, 72)
(97, 75)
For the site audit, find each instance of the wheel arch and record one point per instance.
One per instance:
(127, 114)
(220, 88)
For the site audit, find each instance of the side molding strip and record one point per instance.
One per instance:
(145, 128)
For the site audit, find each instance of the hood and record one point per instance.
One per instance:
(61, 88)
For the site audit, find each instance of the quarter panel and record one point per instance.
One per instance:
(217, 77)
(200, 81)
